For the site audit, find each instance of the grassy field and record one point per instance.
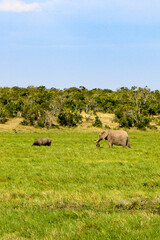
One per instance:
(74, 190)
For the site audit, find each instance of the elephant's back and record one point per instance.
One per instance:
(118, 133)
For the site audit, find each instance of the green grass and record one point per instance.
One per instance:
(74, 190)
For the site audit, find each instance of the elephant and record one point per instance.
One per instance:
(42, 141)
(116, 137)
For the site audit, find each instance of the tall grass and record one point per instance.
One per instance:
(74, 190)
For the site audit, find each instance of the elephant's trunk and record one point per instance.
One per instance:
(97, 144)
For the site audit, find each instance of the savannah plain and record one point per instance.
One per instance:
(74, 190)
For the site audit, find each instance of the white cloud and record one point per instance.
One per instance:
(105, 10)
(18, 6)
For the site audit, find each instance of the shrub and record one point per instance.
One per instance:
(157, 120)
(142, 122)
(10, 109)
(124, 116)
(41, 123)
(67, 118)
(153, 127)
(140, 126)
(129, 117)
(107, 127)
(3, 120)
(25, 123)
(97, 122)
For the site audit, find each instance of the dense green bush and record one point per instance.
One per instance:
(124, 116)
(69, 119)
(3, 120)
(3, 117)
(25, 123)
(153, 127)
(142, 122)
(97, 122)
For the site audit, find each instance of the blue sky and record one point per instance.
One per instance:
(71, 43)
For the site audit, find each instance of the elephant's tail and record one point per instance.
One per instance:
(128, 143)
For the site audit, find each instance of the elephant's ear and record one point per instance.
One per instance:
(104, 134)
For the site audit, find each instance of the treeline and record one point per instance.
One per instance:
(41, 107)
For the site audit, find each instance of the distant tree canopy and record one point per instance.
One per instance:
(38, 105)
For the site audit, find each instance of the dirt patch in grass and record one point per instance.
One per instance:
(124, 205)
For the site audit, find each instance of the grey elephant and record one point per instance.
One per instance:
(42, 141)
(116, 137)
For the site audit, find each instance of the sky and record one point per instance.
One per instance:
(105, 44)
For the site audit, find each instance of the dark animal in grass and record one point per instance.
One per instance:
(116, 137)
(42, 141)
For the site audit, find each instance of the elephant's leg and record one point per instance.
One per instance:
(110, 144)
(124, 143)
